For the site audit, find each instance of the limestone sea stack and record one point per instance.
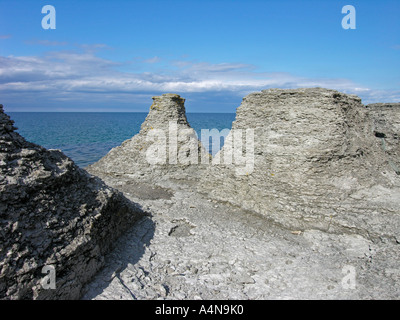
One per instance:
(166, 146)
(54, 218)
(317, 164)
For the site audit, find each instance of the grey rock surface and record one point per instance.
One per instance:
(166, 146)
(385, 118)
(194, 247)
(52, 213)
(317, 163)
(317, 218)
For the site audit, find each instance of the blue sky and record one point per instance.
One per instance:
(116, 55)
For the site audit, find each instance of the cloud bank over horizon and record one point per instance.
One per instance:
(81, 80)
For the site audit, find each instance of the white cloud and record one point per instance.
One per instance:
(63, 75)
(46, 43)
(152, 60)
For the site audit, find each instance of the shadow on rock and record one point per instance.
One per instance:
(129, 249)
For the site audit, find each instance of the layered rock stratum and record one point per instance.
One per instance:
(166, 146)
(54, 218)
(317, 163)
(309, 210)
(385, 118)
(302, 202)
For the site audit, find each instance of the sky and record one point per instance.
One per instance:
(113, 56)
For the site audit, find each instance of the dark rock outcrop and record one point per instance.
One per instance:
(52, 213)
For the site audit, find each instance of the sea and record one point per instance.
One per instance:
(86, 137)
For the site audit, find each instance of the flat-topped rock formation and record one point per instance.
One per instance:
(54, 215)
(317, 164)
(305, 189)
(319, 171)
(166, 146)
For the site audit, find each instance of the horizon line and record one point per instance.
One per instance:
(101, 112)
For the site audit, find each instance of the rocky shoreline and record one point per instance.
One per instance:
(53, 216)
(312, 213)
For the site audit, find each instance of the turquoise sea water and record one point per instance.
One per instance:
(86, 137)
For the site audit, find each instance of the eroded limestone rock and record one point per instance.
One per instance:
(385, 118)
(166, 146)
(317, 164)
(52, 213)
